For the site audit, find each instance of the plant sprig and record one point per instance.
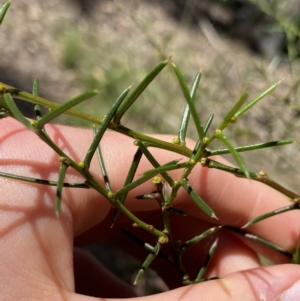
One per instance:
(165, 186)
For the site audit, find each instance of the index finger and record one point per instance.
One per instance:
(235, 201)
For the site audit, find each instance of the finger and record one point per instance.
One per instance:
(267, 283)
(231, 255)
(193, 258)
(235, 201)
(279, 282)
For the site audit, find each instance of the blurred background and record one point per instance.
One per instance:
(245, 45)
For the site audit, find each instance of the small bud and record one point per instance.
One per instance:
(2, 89)
(203, 161)
(205, 140)
(81, 165)
(176, 141)
(233, 119)
(150, 227)
(262, 175)
(192, 161)
(33, 123)
(157, 180)
(163, 240)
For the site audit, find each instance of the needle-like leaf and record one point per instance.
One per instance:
(228, 118)
(218, 134)
(103, 127)
(139, 90)
(102, 166)
(198, 238)
(250, 147)
(35, 92)
(65, 107)
(208, 123)
(129, 178)
(3, 10)
(268, 244)
(146, 263)
(256, 100)
(198, 200)
(272, 213)
(186, 113)
(41, 181)
(165, 168)
(15, 111)
(189, 101)
(208, 258)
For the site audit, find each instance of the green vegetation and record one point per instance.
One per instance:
(199, 116)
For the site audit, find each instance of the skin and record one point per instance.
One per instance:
(37, 247)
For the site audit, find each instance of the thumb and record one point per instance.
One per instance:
(280, 282)
(272, 283)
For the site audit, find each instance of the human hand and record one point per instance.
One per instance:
(37, 247)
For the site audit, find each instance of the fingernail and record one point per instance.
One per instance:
(291, 294)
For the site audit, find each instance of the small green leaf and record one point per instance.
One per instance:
(198, 200)
(208, 123)
(198, 238)
(218, 134)
(129, 178)
(3, 10)
(208, 258)
(65, 107)
(269, 244)
(229, 116)
(189, 101)
(132, 185)
(9, 101)
(41, 181)
(139, 90)
(165, 168)
(146, 263)
(250, 147)
(256, 100)
(142, 243)
(102, 165)
(103, 127)
(272, 213)
(186, 113)
(36, 86)
(35, 92)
